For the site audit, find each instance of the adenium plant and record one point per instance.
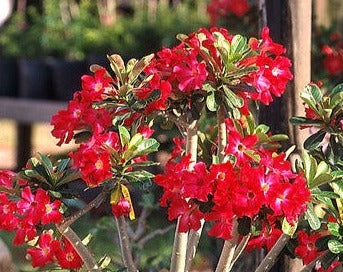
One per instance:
(225, 170)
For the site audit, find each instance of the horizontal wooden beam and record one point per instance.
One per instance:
(29, 110)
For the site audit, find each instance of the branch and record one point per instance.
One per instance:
(268, 262)
(239, 250)
(141, 223)
(94, 203)
(311, 265)
(178, 260)
(226, 257)
(152, 235)
(80, 248)
(194, 236)
(126, 251)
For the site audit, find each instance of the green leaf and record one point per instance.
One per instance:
(328, 194)
(312, 218)
(304, 121)
(334, 229)
(239, 46)
(87, 239)
(287, 228)
(47, 164)
(335, 246)
(143, 164)
(251, 124)
(135, 141)
(139, 67)
(104, 262)
(235, 100)
(146, 147)
(62, 164)
(261, 129)
(124, 135)
(316, 93)
(211, 102)
(314, 140)
(320, 180)
(336, 100)
(278, 138)
(337, 89)
(137, 176)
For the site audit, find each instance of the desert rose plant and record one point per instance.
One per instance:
(225, 170)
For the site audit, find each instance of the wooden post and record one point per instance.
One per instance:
(301, 12)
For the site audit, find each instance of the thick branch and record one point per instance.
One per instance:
(80, 248)
(193, 241)
(268, 262)
(311, 265)
(226, 257)
(240, 248)
(125, 246)
(178, 260)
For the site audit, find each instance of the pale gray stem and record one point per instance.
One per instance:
(80, 248)
(178, 259)
(126, 251)
(240, 248)
(268, 262)
(226, 257)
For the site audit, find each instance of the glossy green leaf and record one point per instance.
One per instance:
(135, 141)
(124, 135)
(314, 140)
(337, 89)
(234, 99)
(304, 121)
(335, 246)
(137, 176)
(334, 229)
(211, 102)
(336, 100)
(287, 228)
(319, 193)
(139, 67)
(316, 93)
(312, 218)
(320, 180)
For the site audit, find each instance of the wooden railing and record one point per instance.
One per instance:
(27, 112)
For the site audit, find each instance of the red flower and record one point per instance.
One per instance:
(190, 74)
(267, 238)
(25, 231)
(190, 215)
(306, 248)
(8, 220)
(97, 84)
(268, 45)
(121, 208)
(223, 218)
(333, 64)
(67, 257)
(238, 145)
(44, 253)
(6, 178)
(248, 196)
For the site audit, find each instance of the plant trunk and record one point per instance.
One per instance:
(178, 260)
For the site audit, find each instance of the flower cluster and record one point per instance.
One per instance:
(257, 184)
(219, 8)
(28, 214)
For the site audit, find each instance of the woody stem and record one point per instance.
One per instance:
(126, 251)
(178, 259)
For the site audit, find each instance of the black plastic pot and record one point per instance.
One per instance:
(8, 77)
(35, 79)
(66, 77)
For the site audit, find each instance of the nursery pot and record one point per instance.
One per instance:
(8, 77)
(66, 77)
(34, 79)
